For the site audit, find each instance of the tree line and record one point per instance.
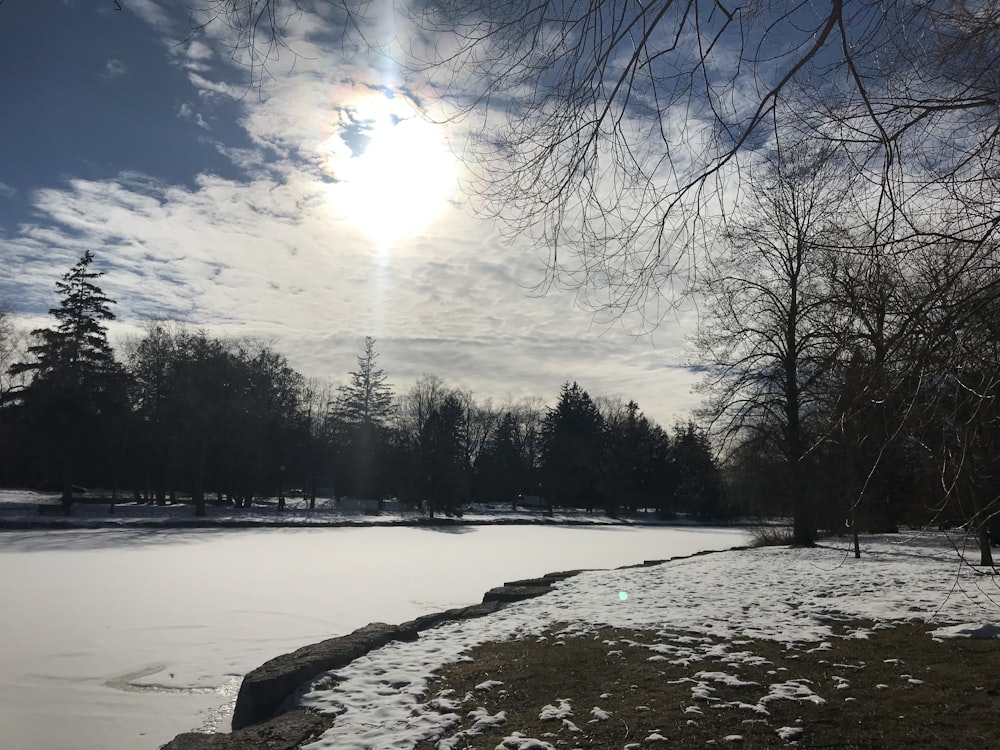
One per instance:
(853, 366)
(828, 194)
(180, 415)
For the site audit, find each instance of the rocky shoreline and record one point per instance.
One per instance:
(263, 718)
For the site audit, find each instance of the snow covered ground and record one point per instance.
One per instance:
(123, 637)
(20, 508)
(775, 593)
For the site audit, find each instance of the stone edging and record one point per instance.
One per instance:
(262, 719)
(260, 722)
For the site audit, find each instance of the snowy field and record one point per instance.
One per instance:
(775, 593)
(20, 509)
(122, 638)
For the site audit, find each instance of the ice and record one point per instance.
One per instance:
(132, 635)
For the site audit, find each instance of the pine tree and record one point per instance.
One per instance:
(75, 354)
(501, 469)
(572, 448)
(443, 459)
(368, 399)
(362, 409)
(76, 383)
(699, 490)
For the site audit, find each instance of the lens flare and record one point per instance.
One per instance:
(394, 172)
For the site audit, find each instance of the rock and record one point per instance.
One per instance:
(562, 575)
(257, 722)
(425, 622)
(266, 688)
(514, 593)
(284, 732)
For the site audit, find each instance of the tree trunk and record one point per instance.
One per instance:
(982, 527)
(67, 487)
(803, 522)
(803, 526)
(198, 492)
(985, 552)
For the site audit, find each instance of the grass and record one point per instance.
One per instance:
(770, 536)
(901, 689)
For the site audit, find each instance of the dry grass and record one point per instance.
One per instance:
(903, 690)
(770, 536)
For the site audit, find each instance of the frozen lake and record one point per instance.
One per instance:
(116, 639)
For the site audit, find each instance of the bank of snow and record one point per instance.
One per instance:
(779, 594)
(23, 509)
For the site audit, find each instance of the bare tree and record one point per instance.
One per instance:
(959, 395)
(610, 132)
(769, 336)
(259, 29)
(414, 407)
(12, 348)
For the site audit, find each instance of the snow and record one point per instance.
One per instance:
(563, 711)
(599, 714)
(969, 630)
(19, 509)
(139, 634)
(790, 734)
(773, 593)
(483, 721)
(489, 685)
(518, 741)
(793, 690)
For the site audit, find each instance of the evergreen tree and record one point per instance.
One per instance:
(501, 469)
(153, 367)
(443, 459)
(638, 467)
(368, 399)
(572, 448)
(362, 411)
(77, 388)
(699, 488)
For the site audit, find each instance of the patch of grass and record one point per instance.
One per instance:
(897, 688)
(770, 536)
(325, 683)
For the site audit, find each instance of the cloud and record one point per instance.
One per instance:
(276, 255)
(152, 13)
(114, 68)
(195, 56)
(6, 191)
(186, 111)
(266, 259)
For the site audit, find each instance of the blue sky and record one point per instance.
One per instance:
(312, 211)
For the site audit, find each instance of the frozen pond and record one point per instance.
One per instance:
(123, 638)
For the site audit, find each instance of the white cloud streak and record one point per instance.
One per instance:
(273, 255)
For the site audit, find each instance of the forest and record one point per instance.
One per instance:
(819, 181)
(181, 416)
(839, 393)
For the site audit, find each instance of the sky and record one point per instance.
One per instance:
(311, 210)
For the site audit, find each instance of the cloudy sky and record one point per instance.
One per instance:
(313, 210)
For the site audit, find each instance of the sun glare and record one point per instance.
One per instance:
(394, 171)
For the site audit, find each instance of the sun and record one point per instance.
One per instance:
(394, 172)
